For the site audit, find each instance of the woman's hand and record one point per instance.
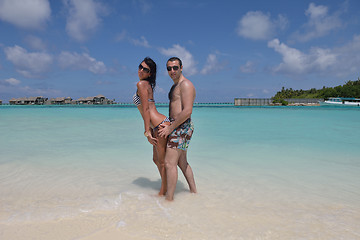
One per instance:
(152, 140)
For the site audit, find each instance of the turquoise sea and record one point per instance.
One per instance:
(261, 173)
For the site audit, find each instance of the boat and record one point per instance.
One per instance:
(341, 101)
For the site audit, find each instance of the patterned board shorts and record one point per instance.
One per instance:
(181, 136)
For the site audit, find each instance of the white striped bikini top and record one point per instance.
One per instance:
(136, 99)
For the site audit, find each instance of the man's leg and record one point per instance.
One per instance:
(171, 160)
(187, 171)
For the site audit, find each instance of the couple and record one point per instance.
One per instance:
(170, 136)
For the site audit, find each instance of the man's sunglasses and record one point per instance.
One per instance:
(146, 70)
(174, 67)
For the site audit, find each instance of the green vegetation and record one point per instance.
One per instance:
(349, 89)
(282, 101)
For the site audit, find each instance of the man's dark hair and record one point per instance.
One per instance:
(174, 59)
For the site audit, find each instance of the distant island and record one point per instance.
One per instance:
(351, 89)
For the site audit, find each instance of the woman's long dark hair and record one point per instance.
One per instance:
(152, 78)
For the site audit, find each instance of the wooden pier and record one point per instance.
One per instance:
(269, 101)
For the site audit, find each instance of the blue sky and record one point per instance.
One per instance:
(81, 48)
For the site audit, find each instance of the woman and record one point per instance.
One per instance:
(144, 100)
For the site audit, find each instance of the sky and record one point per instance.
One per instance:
(230, 49)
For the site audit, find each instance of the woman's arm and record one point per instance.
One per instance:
(143, 87)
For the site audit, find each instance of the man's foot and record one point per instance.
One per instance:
(170, 199)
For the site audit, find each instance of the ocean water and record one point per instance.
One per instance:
(261, 173)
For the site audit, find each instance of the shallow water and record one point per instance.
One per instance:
(261, 173)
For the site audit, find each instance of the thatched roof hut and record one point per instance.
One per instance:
(28, 101)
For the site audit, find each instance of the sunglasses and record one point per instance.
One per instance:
(174, 67)
(146, 70)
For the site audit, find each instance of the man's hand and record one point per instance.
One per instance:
(165, 130)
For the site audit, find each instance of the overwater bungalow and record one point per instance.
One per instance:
(28, 101)
(84, 100)
(60, 101)
(98, 100)
(0, 102)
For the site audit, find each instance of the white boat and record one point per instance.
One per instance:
(342, 101)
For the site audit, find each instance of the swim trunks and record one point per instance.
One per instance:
(181, 136)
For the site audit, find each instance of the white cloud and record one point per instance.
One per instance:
(259, 26)
(212, 65)
(27, 90)
(35, 42)
(319, 24)
(143, 5)
(340, 61)
(10, 82)
(160, 90)
(31, 64)
(81, 61)
(84, 18)
(136, 42)
(348, 58)
(121, 36)
(13, 88)
(24, 13)
(281, 22)
(140, 42)
(294, 61)
(100, 82)
(318, 60)
(189, 64)
(211, 62)
(249, 67)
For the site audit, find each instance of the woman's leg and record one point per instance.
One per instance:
(161, 149)
(160, 168)
(160, 152)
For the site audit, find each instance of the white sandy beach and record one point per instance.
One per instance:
(257, 212)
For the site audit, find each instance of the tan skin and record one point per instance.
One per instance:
(181, 106)
(151, 119)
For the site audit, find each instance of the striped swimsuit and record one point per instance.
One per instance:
(137, 102)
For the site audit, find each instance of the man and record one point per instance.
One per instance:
(182, 96)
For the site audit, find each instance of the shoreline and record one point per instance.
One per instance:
(297, 104)
(158, 105)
